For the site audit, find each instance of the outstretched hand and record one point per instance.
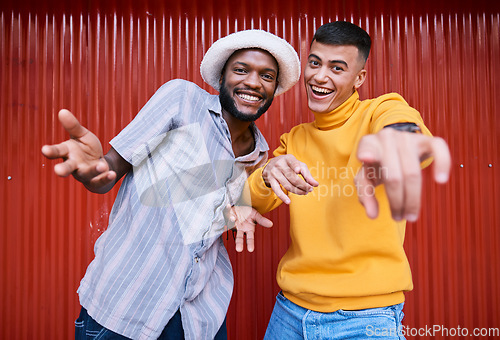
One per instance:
(283, 171)
(244, 219)
(82, 155)
(393, 158)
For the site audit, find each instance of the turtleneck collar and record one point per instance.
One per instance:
(337, 117)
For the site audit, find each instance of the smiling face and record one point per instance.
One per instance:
(331, 75)
(248, 83)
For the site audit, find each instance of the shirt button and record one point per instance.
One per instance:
(196, 259)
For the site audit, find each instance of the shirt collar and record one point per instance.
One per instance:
(214, 104)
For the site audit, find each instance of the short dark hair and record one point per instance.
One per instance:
(344, 33)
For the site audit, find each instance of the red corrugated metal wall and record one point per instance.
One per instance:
(104, 59)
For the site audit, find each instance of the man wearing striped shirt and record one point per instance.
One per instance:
(161, 270)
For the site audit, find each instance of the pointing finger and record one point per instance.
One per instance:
(250, 241)
(71, 124)
(279, 192)
(412, 181)
(366, 193)
(263, 221)
(302, 169)
(55, 151)
(442, 160)
(239, 241)
(65, 168)
(369, 149)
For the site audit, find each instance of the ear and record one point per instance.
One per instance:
(222, 72)
(360, 79)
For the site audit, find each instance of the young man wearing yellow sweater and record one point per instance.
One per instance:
(345, 272)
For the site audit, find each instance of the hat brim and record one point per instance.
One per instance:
(220, 51)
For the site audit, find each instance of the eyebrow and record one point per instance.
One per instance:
(268, 69)
(335, 61)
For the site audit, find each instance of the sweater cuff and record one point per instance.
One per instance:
(257, 194)
(257, 185)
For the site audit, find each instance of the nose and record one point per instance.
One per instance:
(320, 76)
(252, 80)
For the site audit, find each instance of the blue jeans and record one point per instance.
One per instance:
(87, 328)
(290, 321)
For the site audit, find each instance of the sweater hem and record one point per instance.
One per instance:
(325, 304)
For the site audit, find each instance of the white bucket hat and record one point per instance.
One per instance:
(220, 51)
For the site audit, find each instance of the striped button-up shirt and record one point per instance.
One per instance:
(162, 250)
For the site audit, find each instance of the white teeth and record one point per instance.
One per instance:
(248, 97)
(320, 89)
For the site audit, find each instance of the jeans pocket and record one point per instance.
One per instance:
(370, 312)
(80, 325)
(87, 328)
(95, 331)
(373, 323)
(105, 334)
(281, 297)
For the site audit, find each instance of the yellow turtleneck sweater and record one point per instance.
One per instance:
(339, 258)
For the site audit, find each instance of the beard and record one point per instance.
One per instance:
(228, 104)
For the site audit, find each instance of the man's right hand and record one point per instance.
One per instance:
(82, 155)
(283, 171)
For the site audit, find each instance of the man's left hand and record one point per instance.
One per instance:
(244, 219)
